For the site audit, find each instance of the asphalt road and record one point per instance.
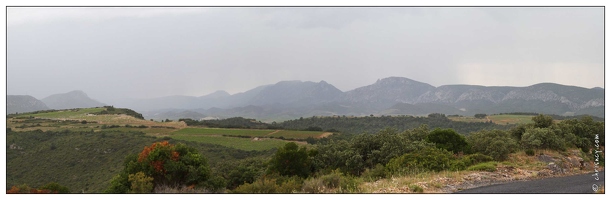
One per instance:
(578, 184)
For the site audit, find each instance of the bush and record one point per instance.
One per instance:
(497, 144)
(427, 159)
(374, 174)
(56, 188)
(448, 139)
(291, 160)
(487, 166)
(416, 188)
(530, 152)
(215, 184)
(290, 185)
(332, 180)
(261, 186)
(21, 189)
(140, 183)
(542, 138)
(476, 158)
(543, 121)
(167, 164)
(313, 186)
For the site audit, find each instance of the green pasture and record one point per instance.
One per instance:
(234, 142)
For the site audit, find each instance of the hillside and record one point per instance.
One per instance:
(23, 103)
(389, 96)
(73, 99)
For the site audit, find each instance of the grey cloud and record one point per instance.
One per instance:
(236, 49)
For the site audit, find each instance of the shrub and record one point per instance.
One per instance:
(542, 138)
(261, 186)
(291, 160)
(530, 152)
(332, 180)
(167, 164)
(487, 166)
(290, 185)
(427, 159)
(313, 186)
(56, 188)
(475, 159)
(349, 184)
(416, 188)
(448, 139)
(140, 183)
(543, 121)
(21, 189)
(215, 184)
(374, 174)
(495, 143)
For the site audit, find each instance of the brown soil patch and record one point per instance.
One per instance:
(324, 135)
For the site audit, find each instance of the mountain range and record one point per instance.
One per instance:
(388, 96)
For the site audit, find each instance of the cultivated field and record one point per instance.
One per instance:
(247, 144)
(221, 131)
(83, 119)
(497, 119)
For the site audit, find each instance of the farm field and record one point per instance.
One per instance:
(243, 139)
(221, 131)
(247, 144)
(72, 113)
(497, 119)
(297, 134)
(511, 119)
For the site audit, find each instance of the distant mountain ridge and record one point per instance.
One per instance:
(23, 103)
(73, 99)
(388, 96)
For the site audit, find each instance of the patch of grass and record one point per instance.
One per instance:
(234, 142)
(221, 131)
(297, 134)
(71, 113)
(416, 189)
(487, 166)
(511, 119)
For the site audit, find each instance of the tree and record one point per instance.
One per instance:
(480, 116)
(448, 139)
(166, 163)
(291, 160)
(495, 143)
(543, 121)
(542, 138)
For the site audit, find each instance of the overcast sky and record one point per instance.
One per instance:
(150, 52)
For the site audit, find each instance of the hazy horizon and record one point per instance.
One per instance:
(220, 90)
(151, 52)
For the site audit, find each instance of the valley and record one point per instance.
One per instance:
(82, 148)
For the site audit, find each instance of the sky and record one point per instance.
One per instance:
(138, 52)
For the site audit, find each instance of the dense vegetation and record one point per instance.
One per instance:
(86, 161)
(125, 161)
(358, 125)
(234, 122)
(110, 110)
(557, 117)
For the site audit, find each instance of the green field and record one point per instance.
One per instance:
(297, 134)
(73, 113)
(234, 142)
(219, 131)
(511, 119)
(497, 119)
